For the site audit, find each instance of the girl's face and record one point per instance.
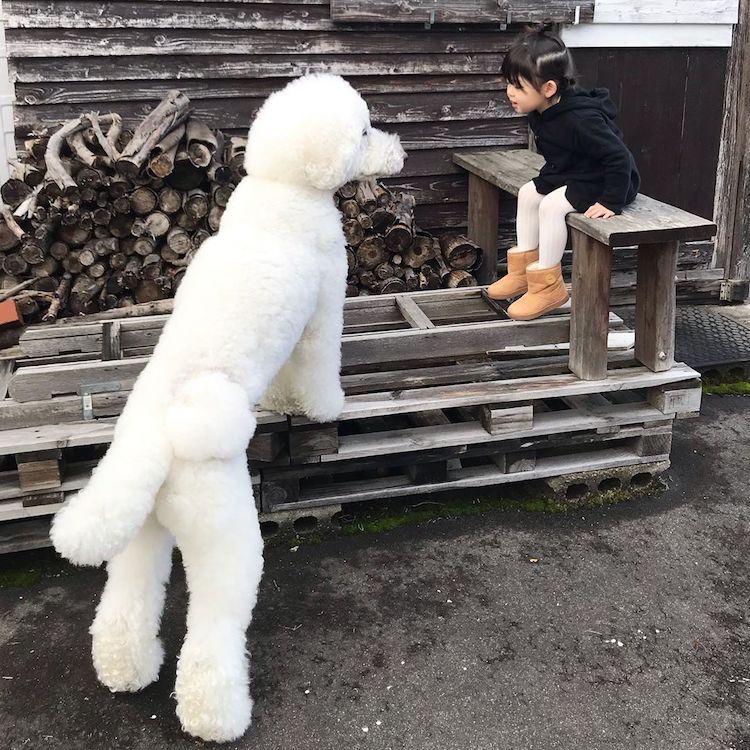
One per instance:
(525, 98)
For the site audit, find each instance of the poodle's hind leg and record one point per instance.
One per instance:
(126, 648)
(210, 510)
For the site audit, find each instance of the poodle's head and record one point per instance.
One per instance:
(316, 131)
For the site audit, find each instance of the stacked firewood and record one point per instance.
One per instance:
(97, 217)
(387, 253)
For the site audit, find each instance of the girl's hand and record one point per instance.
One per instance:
(597, 211)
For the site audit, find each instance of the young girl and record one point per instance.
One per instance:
(587, 168)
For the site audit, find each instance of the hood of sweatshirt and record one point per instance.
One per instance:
(582, 99)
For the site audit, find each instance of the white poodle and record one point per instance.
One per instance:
(258, 318)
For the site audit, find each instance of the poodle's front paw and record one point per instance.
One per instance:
(280, 404)
(213, 697)
(125, 658)
(77, 533)
(325, 407)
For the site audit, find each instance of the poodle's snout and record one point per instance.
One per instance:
(385, 156)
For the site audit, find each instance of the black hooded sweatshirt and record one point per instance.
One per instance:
(584, 150)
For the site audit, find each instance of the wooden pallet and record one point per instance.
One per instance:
(443, 392)
(508, 422)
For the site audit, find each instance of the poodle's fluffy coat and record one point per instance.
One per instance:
(257, 319)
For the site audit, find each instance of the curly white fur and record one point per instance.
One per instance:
(258, 318)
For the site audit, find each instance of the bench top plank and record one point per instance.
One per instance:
(645, 221)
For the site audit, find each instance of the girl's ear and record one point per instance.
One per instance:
(549, 89)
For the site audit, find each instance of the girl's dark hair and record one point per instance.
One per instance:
(539, 55)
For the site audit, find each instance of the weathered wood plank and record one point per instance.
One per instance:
(644, 221)
(412, 313)
(85, 14)
(434, 437)
(460, 11)
(76, 477)
(90, 432)
(509, 419)
(318, 441)
(39, 470)
(503, 392)
(656, 443)
(680, 399)
(266, 446)
(238, 111)
(479, 476)
(24, 535)
(478, 372)
(45, 43)
(286, 64)
(371, 87)
(452, 133)
(450, 341)
(45, 381)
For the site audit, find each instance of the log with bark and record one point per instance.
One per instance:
(386, 251)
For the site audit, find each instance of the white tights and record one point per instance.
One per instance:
(540, 222)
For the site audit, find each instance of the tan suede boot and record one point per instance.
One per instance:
(514, 283)
(546, 292)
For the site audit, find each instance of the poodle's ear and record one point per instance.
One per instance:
(330, 160)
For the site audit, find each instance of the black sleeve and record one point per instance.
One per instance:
(595, 138)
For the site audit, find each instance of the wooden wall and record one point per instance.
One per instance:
(438, 88)
(670, 102)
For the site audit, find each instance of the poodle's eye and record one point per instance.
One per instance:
(364, 133)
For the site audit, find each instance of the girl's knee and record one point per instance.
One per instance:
(551, 208)
(527, 195)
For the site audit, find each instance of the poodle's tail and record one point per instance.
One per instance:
(100, 520)
(207, 417)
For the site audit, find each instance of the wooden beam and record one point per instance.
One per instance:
(413, 313)
(732, 201)
(655, 306)
(589, 319)
(484, 211)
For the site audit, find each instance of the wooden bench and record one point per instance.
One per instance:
(656, 228)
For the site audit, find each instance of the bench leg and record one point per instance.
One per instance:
(655, 300)
(484, 209)
(589, 320)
